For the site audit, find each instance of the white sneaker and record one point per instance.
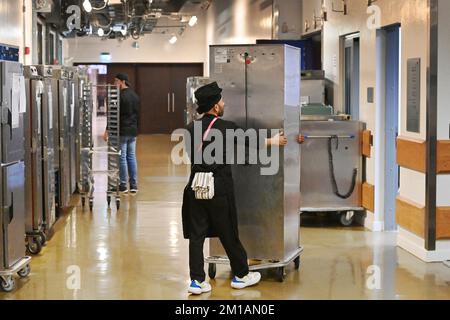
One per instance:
(249, 280)
(199, 288)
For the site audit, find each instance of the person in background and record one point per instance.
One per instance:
(129, 116)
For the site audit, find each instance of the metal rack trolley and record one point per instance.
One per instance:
(12, 176)
(332, 166)
(112, 150)
(21, 268)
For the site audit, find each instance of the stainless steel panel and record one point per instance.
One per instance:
(48, 154)
(12, 135)
(33, 154)
(316, 187)
(73, 106)
(12, 241)
(64, 143)
(11, 22)
(268, 221)
(314, 90)
(12, 188)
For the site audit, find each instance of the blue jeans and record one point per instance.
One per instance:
(128, 163)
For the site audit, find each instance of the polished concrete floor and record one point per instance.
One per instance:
(139, 252)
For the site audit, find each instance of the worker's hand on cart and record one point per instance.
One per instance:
(300, 138)
(105, 136)
(278, 140)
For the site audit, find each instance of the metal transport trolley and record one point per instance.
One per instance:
(12, 175)
(269, 222)
(332, 166)
(112, 150)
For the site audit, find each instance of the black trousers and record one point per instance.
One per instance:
(214, 214)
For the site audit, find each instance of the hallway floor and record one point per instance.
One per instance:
(139, 252)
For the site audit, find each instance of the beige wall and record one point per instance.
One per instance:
(154, 48)
(290, 14)
(311, 7)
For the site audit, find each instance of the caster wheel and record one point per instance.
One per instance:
(347, 219)
(280, 274)
(297, 263)
(212, 271)
(7, 284)
(118, 204)
(42, 238)
(91, 204)
(83, 202)
(25, 272)
(34, 246)
(108, 200)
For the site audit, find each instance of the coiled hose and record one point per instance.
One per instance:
(332, 173)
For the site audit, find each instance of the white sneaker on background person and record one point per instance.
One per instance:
(249, 280)
(199, 288)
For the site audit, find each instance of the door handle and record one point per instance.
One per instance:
(168, 103)
(173, 102)
(5, 165)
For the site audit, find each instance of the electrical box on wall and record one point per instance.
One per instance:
(9, 53)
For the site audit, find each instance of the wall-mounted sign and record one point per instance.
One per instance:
(413, 96)
(9, 53)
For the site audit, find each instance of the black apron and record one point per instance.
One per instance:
(223, 187)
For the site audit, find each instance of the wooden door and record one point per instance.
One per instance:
(179, 75)
(153, 87)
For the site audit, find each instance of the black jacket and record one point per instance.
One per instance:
(223, 180)
(129, 113)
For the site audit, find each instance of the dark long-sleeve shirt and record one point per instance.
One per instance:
(241, 153)
(129, 113)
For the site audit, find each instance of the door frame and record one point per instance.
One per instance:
(385, 157)
(351, 41)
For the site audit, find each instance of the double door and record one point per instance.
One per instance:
(162, 90)
(12, 172)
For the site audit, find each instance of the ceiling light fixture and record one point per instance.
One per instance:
(193, 21)
(87, 6)
(173, 40)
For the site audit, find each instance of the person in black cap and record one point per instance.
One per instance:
(216, 217)
(129, 117)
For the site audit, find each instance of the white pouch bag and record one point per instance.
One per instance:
(203, 185)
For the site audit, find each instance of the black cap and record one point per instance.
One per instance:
(123, 77)
(207, 97)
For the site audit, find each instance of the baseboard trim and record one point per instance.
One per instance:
(416, 246)
(370, 224)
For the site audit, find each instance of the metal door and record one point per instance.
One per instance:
(48, 153)
(352, 75)
(33, 156)
(73, 105)
(12, 117)
(391, 114)
(12, 246)
(64, 147)
(12, 198)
